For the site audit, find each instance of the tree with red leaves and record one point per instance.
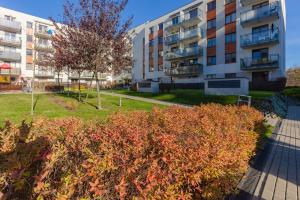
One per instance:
(94, 38)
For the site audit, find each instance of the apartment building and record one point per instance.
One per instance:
(212, 39)
(24, 41)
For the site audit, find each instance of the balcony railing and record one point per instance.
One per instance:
(43, 73)
(270, 62)
(266, 12)
(191, 34)
(172, 39)
(182, 19)
(261, 38)
(11, 26)
(10, 56)
(250, 2)
(42, 34)
(182, 53)
(12, 71)
(12, 42)
(185, 71)
(43, 47)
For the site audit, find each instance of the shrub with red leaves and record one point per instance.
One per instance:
(174, 153)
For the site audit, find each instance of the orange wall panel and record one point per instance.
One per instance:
(211, 15)
(160, 60)
(229, 8)
(230, 48)
(211, 51)
(29, 31)
(151, 36)
(160, 32)
(29, 45)
(230, 28)
(29, 59)
(160, 47)
(211, 33)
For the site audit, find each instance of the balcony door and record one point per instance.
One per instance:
(260, 56)
(260, 33)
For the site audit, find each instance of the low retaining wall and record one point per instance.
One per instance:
(235, 86)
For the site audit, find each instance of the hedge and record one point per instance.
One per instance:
(174, 153)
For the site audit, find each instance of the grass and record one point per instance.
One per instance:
(16, 107)
(194, 97)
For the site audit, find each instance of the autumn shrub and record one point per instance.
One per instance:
(173, 153)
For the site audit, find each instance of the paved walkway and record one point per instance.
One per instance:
(280, 178)
(148, 100)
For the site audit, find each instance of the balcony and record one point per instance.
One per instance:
(185, 20)
(194, 33)
(12, 71)
(251, 2)
(10, 26)
(265, 13)
(270, 62)
(44, 73)
(10, 42)
(193, 70)
(42, 34)
(183, 53)
(258, 39)
(10, 56)
(88, 76)
(43, 48)
(172, 39)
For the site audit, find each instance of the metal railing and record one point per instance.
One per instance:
(9, 25)
(183, 18)
(270, 62)
(42, 33)
(191, 33)
(10, 41)
(264, 37)
(186, 52)
(43, 47)
(10, 56)
(44, 73)
(189, 70)
(260, 13)
(249, 2)
(12, 71)
(172, 39)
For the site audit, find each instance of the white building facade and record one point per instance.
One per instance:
(24, 40)
(211, 39)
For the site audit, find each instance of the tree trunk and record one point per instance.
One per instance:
(79, 89)
(68, 82)
(98, 93)
(87, 94)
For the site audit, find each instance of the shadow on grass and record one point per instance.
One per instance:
(75, 96)
(35, 102)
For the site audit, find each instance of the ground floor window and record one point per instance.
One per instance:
(211, 60)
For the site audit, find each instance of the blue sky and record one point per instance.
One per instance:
(144, 10)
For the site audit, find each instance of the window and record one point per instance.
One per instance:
(230, 75)
(161, 26)
(29, 66)
(175, 20)
(10, 18)
(29, 25)
(29, 38)
(211, 24)
(193, 13)
(193, 61)
(230, 58)
(160, 67)
(230, 18)
(10, 36)
(211, 6)
(229, 1)
(211, 60)
(211, 76)
(151, 43)
(230, 38)
(260, 5)
(151, 30)
(260, 54)
(160, 40)
(211, 42)
(29, 52)
(193, 44)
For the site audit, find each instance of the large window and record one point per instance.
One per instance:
(211, 60)
(260, 54)
(175, 20)
(193, 13)
(160, 40)
(230, 58)
(29, 52)
(29, 38)
(211, 42)
(161, 26)
(151, 30)
(151, 43)
(229, 1)
(29, 25)
(211, 6)
(230, 38)
(230, 18)
(211, 24)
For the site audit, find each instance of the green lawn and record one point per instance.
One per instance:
(194, 97)
(16, 107)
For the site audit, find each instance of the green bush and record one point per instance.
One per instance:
(292, 92)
